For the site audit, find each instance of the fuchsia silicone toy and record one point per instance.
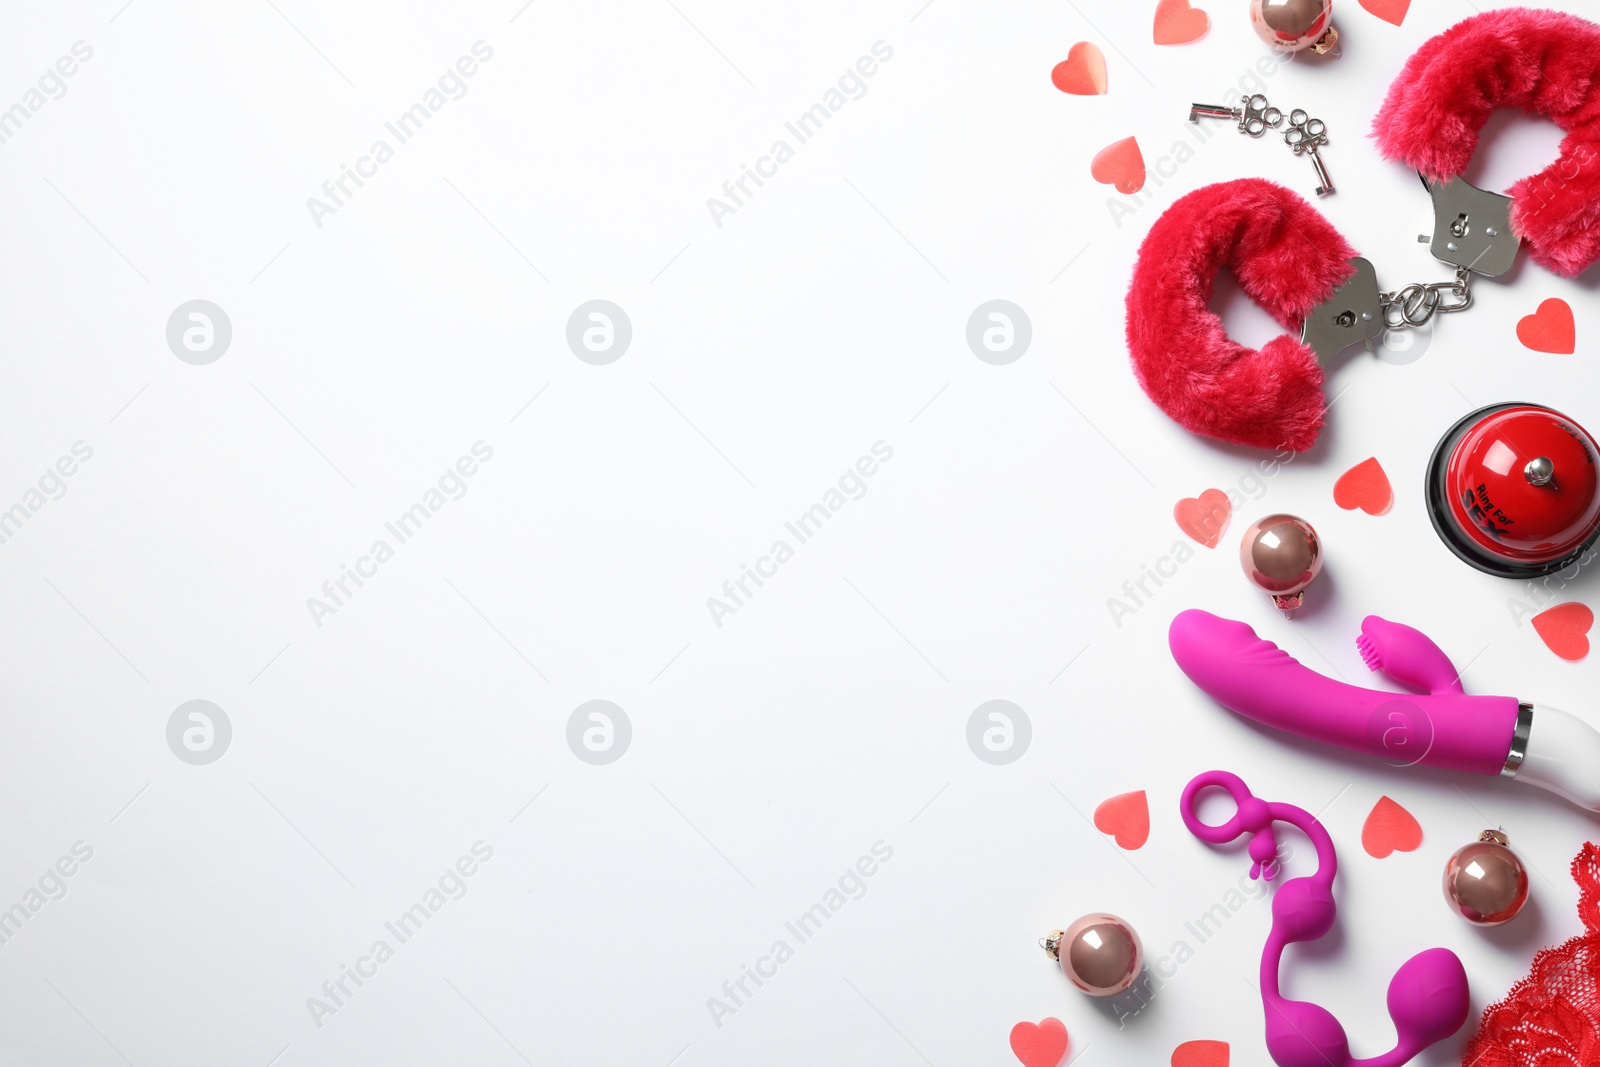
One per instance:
(1440, 727)
(1428, 996)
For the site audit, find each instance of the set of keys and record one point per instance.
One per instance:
(1255, 117)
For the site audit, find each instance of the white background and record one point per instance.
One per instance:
(768, 354)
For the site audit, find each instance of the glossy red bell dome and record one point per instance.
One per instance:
(1514, 490)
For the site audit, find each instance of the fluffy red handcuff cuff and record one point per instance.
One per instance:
(1291, 260)
(1542, 62)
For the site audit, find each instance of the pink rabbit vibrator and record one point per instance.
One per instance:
(1428, 998)
(1436, 724)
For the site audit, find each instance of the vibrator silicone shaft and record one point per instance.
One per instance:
(1257, 679)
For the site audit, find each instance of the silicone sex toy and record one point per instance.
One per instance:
(1441, 726)
(1428, 996)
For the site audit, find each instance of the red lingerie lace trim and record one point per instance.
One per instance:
(1551, 1018)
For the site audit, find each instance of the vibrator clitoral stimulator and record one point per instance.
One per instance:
(1428, 996)
(1439, 725)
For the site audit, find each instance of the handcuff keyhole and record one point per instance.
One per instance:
(1345, 318)
(1460, 227)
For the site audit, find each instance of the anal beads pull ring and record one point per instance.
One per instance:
(1428, 996)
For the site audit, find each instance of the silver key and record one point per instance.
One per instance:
(1305, 135)
(1255, 117)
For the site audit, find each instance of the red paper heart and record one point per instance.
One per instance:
(1565, 629)
(1390, 11)
(1083, 72)
(1121, 165)
(1178, 23)
(1126, 818)
(1204, 518)
(1201, 1054)
(1550, 329)
(1364, 486)
(1390, 828)
(1039, 1044)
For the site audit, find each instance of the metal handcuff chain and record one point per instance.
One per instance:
(1472, 233)
(1416, 304)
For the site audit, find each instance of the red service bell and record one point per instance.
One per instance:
(1513, 489)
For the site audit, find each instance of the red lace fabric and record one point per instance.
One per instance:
(1552, 1017)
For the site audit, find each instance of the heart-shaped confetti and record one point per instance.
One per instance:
(1126, 818)
(1083, 72)
(1550, 329)
(1565, 629)
(1204, 518)
(1201, 1054)
(1390, 828)
(1040, 1044)
(1179, 23)
(1120, 164)
(1390, 11)
(1364, 486)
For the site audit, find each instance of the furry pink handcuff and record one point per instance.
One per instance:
(1290, 260)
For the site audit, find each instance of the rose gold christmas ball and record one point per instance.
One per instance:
(1485, 882)
(1281, 555)
(1100, 954)
(1294, 25)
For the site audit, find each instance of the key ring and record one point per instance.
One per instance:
(1304, 131)
(1259, 116)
